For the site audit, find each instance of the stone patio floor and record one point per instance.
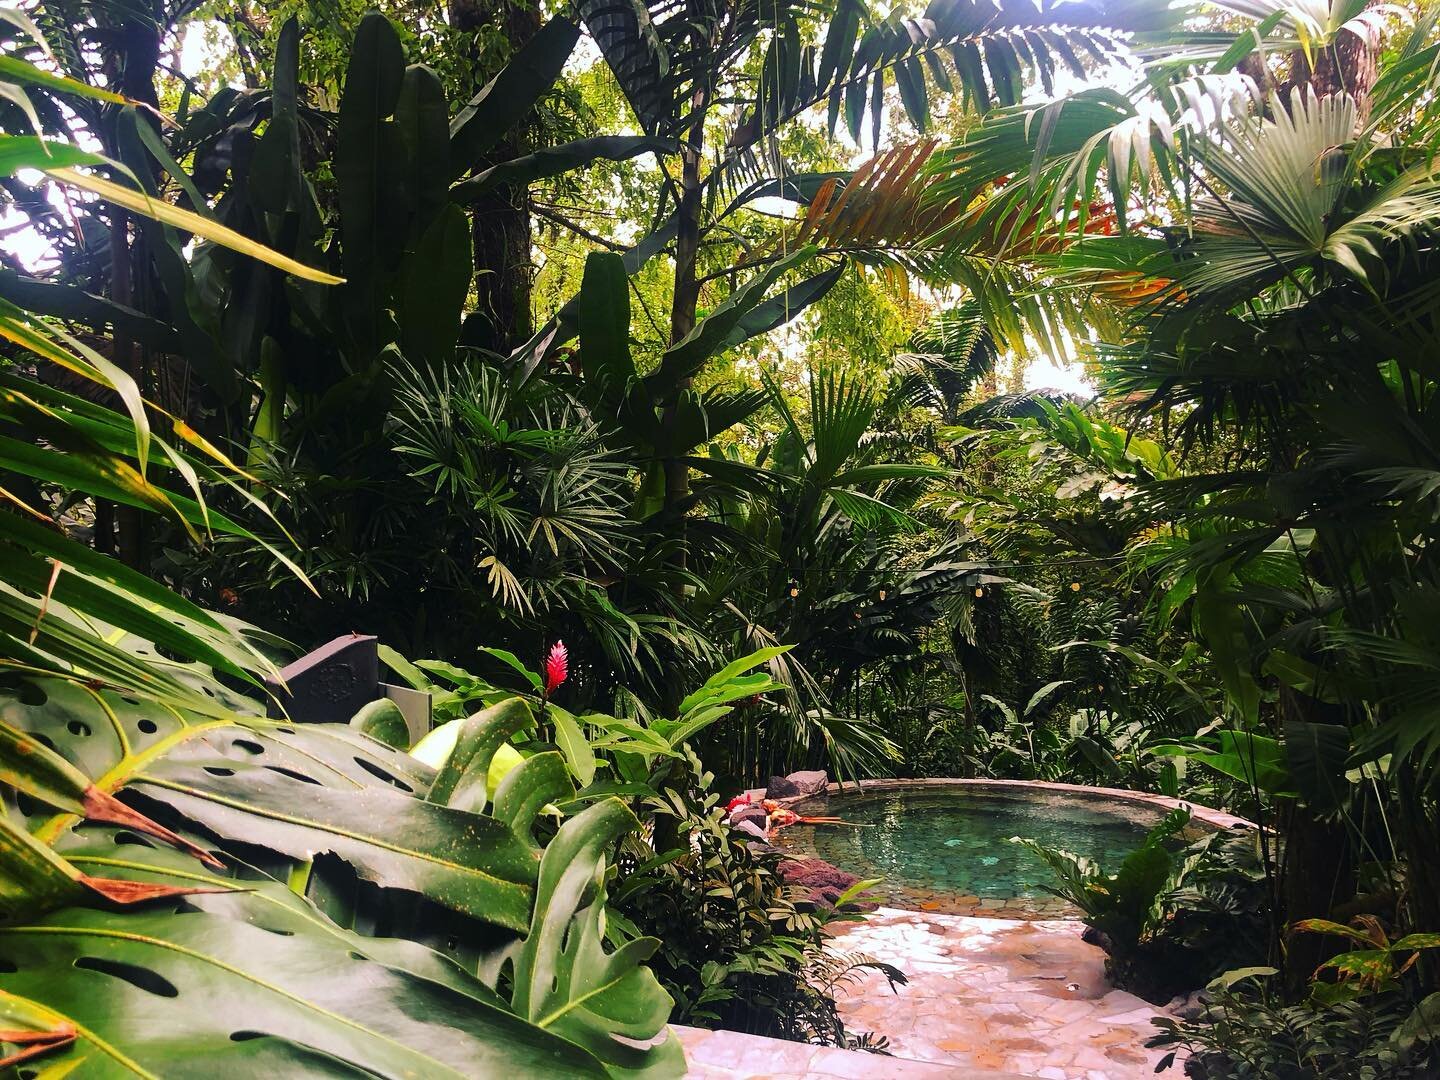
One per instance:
(1026, 997)
(729, 1055)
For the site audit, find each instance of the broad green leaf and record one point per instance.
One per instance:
(435, 278)
(572, 742)
(1316, 757)
(717, 682)
(468, 862)
(476, 740)
(297, 1002)
(13, 68)
(604, 323)
(1416, 941)
(511, 94)
(32, 877)
(1237, 975)
(533, 786)
(1256, 760)
(1329, 926)
(422, 116)
(1220, 623)
(779, 309)
(413, 676)
(298, 791)
(34, 152)
(554, 160)
(1039, 697)
(60, 348)
(382, 720)
(37, 296)
(510, 659)
(564, 979)
(711, 333)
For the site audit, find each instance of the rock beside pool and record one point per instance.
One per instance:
(797, 785)
(749, 813)
(823, 881)
(811, 781)
(780, 787)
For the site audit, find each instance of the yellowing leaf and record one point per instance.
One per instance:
(183, 219)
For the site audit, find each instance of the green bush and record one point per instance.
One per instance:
(1252, 1036)
(742, 949)
(1169, 920)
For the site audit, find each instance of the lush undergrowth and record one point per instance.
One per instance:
(704, 347)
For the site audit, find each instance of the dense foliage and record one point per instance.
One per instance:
(703, 347)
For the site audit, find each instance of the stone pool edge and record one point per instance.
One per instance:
(1217, 819)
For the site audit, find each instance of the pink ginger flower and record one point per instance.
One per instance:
(557, 666)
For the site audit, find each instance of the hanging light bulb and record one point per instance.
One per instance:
(794, 591)
(1074, 586)
(979, 591)
(882, 594)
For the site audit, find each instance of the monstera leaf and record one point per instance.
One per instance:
(564, 980)
(294, 789)
(117, 809)
(130, 994)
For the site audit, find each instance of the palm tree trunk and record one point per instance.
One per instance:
(686, 299)
(130, 66)
(1317, 865)
(500, 222)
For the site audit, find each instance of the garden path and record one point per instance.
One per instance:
(1027, 997)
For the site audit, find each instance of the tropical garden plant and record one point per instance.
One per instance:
(277, 376)
(1292, 539)
(1172, 915)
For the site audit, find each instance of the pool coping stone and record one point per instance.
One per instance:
(1217, 819)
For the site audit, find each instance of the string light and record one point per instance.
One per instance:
(1074, 586)
(979, 591)
(882, 594)
(794, 591)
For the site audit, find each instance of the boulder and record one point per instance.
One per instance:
(780, 787)
(823, 881)
(810, 782)
(749, 813)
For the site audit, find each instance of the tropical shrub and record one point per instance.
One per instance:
(742, 949)
(1248, 1032)
(318, 848)
(295, 859)
(1170, 917)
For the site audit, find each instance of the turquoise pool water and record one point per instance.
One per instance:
(948, 849)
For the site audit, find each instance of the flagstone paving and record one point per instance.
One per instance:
(1027, 997)
(730, 1055)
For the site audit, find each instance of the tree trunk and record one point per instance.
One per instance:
(686, 297)
(132, 538)
(1317, 869)
(1347, 66)
(130, 67)
(500, 222)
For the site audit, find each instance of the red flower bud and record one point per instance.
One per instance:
(557, 666)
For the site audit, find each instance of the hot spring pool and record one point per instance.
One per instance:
(947, 848)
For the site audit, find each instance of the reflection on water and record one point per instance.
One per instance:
(951, 843)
